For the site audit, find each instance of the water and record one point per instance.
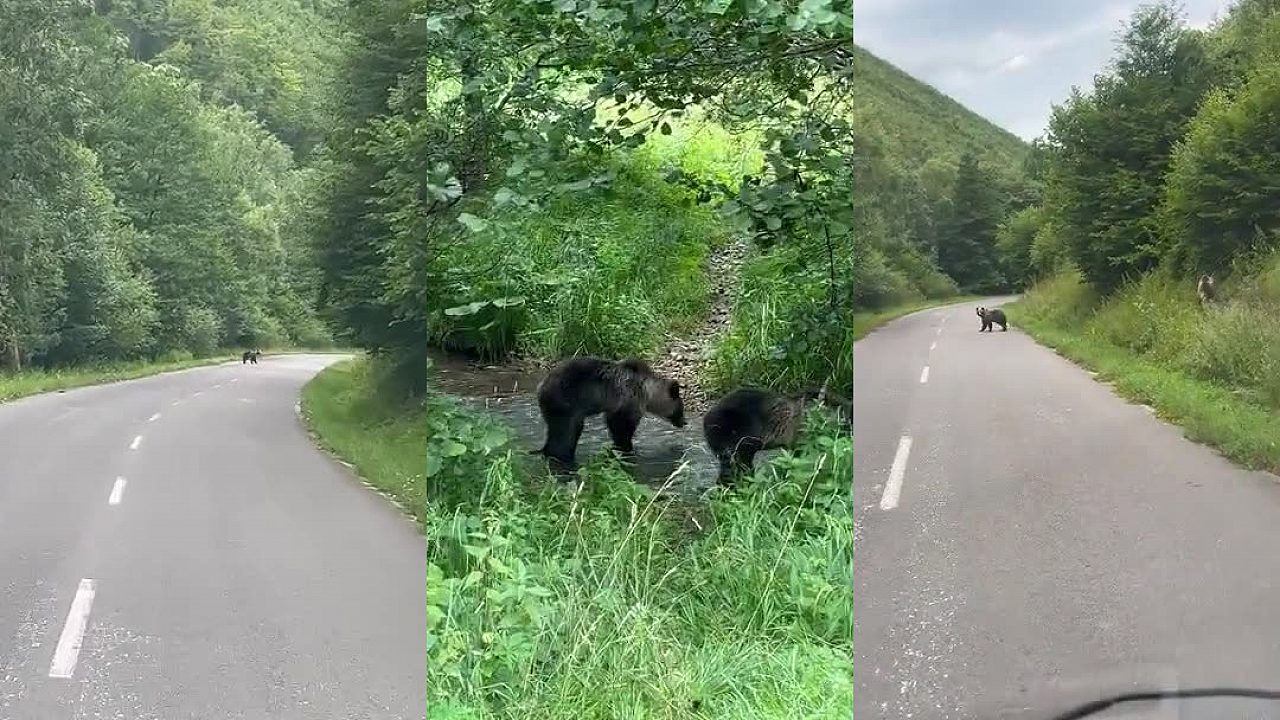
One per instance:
(661, 451)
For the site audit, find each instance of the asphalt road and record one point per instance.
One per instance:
(235, 573)
(1049, 543)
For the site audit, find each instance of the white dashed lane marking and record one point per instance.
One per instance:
(67, 653)
(117, 492)
(893, 488)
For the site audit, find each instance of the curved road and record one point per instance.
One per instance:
(1041, 541)
(218, 564)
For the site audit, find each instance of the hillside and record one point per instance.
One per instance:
(922, 120)
(934, 180)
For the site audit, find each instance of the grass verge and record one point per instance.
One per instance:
(1168, 361)
(865, 322)
(354, 416)
(34, 382)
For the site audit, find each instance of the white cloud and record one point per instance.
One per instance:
(1008, 60)
(1015, 63)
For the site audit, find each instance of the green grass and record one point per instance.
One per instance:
(34, 382)
(1210, 371)
(607, 270)
(783, 332)
(354, 415)
(865, 322)
(606, 603)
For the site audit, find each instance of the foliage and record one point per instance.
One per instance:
(556, 604)
(1210, 370)
(967, 244)
(1110, 149)
(606, 271)
(1220, 193)
(118, 241)
(1159, 318)
(454, 113)
(923, 228)
(354, 412)
(919, 122)
(1169, 161)
(1015, 244)
(784, 332)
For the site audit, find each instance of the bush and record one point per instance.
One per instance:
(1234, 344)
(600, 603)
(1220, 193)
(783, 333)
(602, 272)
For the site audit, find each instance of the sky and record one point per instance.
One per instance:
(1007, 60)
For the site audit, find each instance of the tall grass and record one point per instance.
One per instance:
(605, 271)
(783, 331)
(1215, 370)
(602, 603)
(1235, 344)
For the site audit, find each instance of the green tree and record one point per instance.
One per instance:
(1220, 197)
(966, 244)
(1111, 148)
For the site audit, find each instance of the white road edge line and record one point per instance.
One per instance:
(924, 375)
(934, 346)
(67, 653)
(154, 418)
(198, 393)
(893, 488)
(136, 442)
(117, 492)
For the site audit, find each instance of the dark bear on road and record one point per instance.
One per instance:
(749, 420)
(250, 356)
(995, 316)
(624, 391)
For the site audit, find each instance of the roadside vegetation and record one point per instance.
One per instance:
(552, 603)
(1163, 172)
(154, 182)
(31, 382)
(355, 413)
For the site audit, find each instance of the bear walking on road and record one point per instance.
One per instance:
(995, 316)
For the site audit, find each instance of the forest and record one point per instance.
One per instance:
(1164, 171)
(159, 162)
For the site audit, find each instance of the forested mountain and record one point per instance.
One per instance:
(933, 182)
(922, 121)
(151, 202)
